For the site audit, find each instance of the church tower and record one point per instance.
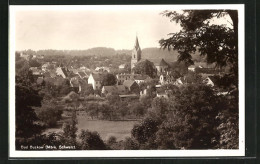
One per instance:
(136, 54)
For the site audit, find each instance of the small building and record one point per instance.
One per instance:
(102, 69)
(166, 79)
(75, 85)
(61, 71)
(25, 56)
(161, 66)
(138, 78)
(210, 81)
(192, 68)
(162, 93)
(132, 86)
(122, 77)
(82, 75)
(122, 66)
(95, 80)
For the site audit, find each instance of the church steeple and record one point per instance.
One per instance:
(137, 44)
(136, 53)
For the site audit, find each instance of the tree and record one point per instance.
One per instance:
(160, 107)
(144, 132)
(130, 144)
(87, 90)
(138, 109)
(50, 115)
(145, 67)
(34, 63)
(108, 79)
(91, 141)
(26, 98)
(191, 121)
(70, 130)
(218, 43)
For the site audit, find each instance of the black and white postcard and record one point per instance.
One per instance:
(126, 81)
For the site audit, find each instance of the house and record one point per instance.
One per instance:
(162, 93)
(45, 66)
(210, 81)
(161, 66)
(122, 66)
(61, 71)
(117, 89)
(132, 86)
(48, 66)
(75, 84)
(95, 80)
(25, 56)
(143, 93)
(138, 78)
(35, 71)
(192, 68)
(166, 79)
(122, 77)
(50, 73)
(179, 81)
(102, 69)
(82, 74)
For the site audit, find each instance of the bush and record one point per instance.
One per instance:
(130, 144)
(91, 141)
(50, 116)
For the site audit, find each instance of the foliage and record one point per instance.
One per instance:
(26, 97)
(111, 140)
(145, 67)
(108, 79)
(228, 126)
(93, 109)
(146, 130)
(218, 43)
(138, 109)
(160, 107)
(130, 144)
(192, 77)
(70, 129)
(50, 115)
(191, 122)
(91, 141)
(34, 63)
(87, 90)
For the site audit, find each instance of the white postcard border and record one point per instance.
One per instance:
(127, 153)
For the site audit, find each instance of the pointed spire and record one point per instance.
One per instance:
(137, 43)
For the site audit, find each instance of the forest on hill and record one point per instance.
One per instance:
(147, 53)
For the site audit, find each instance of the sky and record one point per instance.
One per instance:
(87, 28)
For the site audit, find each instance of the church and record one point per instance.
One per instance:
(161, 65)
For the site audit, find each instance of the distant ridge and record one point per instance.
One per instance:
(147, 53)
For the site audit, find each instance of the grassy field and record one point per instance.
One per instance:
(119, 129)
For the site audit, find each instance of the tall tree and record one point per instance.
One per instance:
(145, 67)
(26, 97)
(218, 43)
(108, 79)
